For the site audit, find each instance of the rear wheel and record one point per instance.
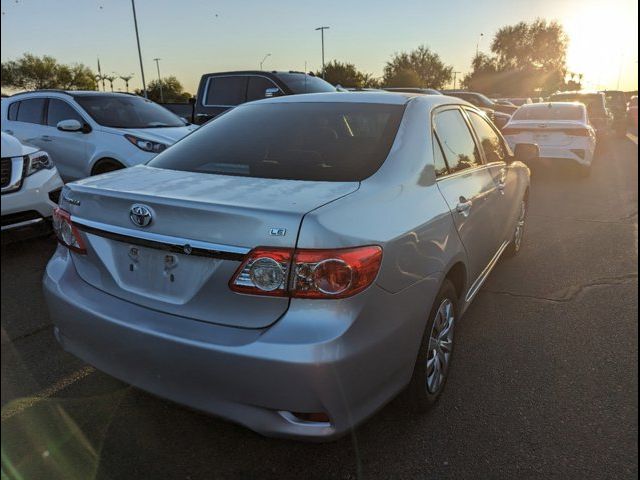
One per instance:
(518, 234)
(106, 165)
(434, 357)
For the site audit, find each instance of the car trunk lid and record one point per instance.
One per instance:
(545, 133)
(200, 227)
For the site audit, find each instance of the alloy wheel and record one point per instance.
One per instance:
(440, 345)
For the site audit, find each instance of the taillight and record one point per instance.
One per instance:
(66, 232)
(307, 273)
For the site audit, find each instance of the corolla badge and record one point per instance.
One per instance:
(140, 215)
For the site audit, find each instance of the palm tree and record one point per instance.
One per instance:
(125, 79)
(110, 79)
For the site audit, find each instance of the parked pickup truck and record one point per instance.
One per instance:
(218, 92)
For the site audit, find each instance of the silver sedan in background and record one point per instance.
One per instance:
(296, 262)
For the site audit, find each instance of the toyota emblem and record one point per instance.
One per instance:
(140, 215)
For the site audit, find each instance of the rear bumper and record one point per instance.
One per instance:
(579, 154)
(345, 361)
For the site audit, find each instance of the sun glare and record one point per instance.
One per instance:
(603, 46)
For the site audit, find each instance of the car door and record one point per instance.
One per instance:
(261, 87)
(495, 154)
(468, 188)
(29, 118)
(68, 150)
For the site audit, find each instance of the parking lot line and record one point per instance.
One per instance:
(633, 138)
(20, 405)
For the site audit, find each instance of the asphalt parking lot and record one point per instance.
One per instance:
(544, 383)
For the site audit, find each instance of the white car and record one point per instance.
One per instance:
(88, 132)
(561, 129)
(30, 187)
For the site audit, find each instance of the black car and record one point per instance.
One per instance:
(480, 101)
(218, 92)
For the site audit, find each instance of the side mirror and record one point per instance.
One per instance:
(70, 126)
(271, 92)
(526, 152)
(192, 100)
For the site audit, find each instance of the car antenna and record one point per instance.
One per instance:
(305, 77)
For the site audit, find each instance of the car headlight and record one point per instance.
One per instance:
(146, 145)
(34, 162)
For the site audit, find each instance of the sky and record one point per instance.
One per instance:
(192, 37)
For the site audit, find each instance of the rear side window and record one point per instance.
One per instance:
(257, 87)
(31, 110)
(458, 145)
(13, 111)
(490, 141)
(295, 141)
(59, 110)
(226, 91)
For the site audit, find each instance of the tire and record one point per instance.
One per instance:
(423, 390)
(104, 166)
(518, 234)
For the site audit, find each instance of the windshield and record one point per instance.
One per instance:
(295, 141)
(301, 83)
(127, 111)
(550, 111)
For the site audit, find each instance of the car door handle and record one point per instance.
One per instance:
(464, 207)
(46, 138)
(10, 132)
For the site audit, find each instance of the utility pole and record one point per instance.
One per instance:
(265, 57)
(157, 60)
(455, 75)
(135, 23)
(322, 29)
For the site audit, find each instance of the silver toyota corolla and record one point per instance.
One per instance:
(296, 262)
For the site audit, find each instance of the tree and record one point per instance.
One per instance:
(31, 72)
(527, 57)
(346, 75)
(172, 90)
(403, 78)
(430, 71)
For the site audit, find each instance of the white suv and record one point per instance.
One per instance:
(30, 187)
(88, 132)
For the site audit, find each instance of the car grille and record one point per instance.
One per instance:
(5, 170)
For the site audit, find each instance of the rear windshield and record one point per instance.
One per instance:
(549, 111)
(594, 102)
(301, 83)
(294, 141)
(127, 111)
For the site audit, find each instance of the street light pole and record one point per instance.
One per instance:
(478, 44)
(455, 75)
(322, 29)
(135, 23)
(157, 60)
(265, 57)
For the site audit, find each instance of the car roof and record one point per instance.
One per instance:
(71, 93)
(257, 72)
(542, 105)
(381, 98)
